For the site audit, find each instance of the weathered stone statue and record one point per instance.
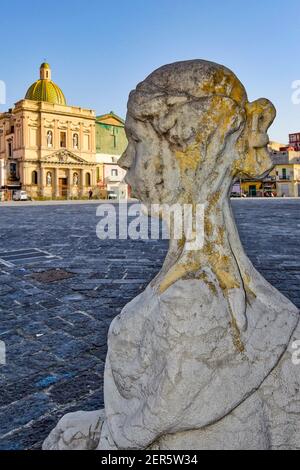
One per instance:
(202, 359)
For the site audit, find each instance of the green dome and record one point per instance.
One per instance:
(44, 89)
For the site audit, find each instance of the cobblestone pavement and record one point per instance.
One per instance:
(55, 332)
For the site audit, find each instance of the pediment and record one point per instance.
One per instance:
(110, 119)
(63, 156)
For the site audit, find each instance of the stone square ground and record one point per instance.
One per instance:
(55, 332)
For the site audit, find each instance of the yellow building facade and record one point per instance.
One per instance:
(47, 147)
(287, 175)
(282, 181)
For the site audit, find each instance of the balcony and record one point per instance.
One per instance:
(283, 178)
(269, 178)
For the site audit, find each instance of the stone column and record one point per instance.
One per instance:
(93, 138)
(42, 181)
(295, 188)
(69, 137)
(93, 177)
(24, 174)
(81, 137)
(22, 132)
(42, 134)
(70, 182)
(2, 172)
(26, 131)
(56, 135)
(81, 182)
(56, 183)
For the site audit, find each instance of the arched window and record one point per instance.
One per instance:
(114, 172)
(49, 178)
(34, 177)
(75, 141)
(50, 139)
(88, 179)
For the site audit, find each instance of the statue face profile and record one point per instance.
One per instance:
(191, 131)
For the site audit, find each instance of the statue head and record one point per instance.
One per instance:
(191, 131)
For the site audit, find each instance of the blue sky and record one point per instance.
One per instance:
(99, 50)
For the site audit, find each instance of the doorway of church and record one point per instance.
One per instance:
(63, 188)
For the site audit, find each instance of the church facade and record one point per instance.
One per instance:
(48, 148)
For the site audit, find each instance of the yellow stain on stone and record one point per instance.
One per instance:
(226, 280)
(203, 277)
(208, 226)
(221, 234)
(213, 199)
(249, 292)
(236, 336)
(224, 84)
(177, 272)
(189, 158)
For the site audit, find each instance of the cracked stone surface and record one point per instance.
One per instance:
(51, 375)
(202, 358)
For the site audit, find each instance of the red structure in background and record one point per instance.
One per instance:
(294, 141)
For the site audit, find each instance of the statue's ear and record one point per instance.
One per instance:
(260, 115)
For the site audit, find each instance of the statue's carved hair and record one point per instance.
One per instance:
(203, 102)
(187, 91)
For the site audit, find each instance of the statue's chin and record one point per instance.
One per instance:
(265, 162)
(262, 164)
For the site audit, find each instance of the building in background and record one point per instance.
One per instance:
(276, 146)
(294, 141)
(47, 147)
(111, 142)
(286, 172)
(283, 180)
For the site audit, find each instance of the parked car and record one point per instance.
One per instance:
(111, 195)
(21, 196)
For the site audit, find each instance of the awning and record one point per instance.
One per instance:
(12, 186)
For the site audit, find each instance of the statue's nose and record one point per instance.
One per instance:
(126, 160)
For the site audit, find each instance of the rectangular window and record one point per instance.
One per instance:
(114, 172)
(13, 170)
(63, 140)
(10, 150)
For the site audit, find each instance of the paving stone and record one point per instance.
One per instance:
(23, 411)
(75, 387)
(62, 370)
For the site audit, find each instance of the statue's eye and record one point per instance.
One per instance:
(262, 123)
(135, 138)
